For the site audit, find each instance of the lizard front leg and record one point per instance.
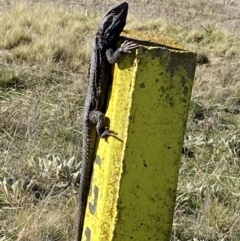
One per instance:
(126, 47)
(98, 118)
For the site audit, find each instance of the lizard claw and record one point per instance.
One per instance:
(107, 133)
(129, 46)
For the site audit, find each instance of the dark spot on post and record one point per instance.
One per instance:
(132, 118)
(88, 234)
(185, 91)
(144, 163)
(169, 99)
(98, 160)
(142, 85)
(183, 100)
(157, 80)
(169, 147)
(93, 206)
(162, 89)
(183, 81)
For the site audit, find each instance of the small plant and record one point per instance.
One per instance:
(15, 191)
(55, 172)
(52, 166)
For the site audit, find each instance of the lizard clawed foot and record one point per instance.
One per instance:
(107, 133)
(128, 46)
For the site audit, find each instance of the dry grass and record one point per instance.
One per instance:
(45, 35)
(44, 54)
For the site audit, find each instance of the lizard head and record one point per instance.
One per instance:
(113, 23)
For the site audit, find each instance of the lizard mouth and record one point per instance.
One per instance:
(114, 21)
(117, 9)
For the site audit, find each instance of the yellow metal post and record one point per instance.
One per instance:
(134, 183)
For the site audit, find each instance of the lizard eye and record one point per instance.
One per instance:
(111, 13)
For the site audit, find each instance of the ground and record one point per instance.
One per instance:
(44, 56)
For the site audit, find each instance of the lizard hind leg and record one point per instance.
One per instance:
(98, 117)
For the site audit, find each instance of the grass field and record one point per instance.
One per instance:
(44, 56)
